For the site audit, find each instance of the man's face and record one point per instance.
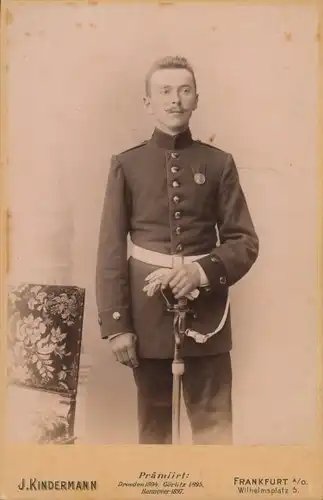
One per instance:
(172, 99)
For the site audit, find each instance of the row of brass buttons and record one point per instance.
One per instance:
(176, 199)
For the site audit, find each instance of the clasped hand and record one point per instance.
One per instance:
(182, 280)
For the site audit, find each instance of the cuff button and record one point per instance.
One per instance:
(223, 280)
(99, 320)
(116, 315)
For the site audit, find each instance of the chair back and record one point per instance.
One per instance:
(44, 346)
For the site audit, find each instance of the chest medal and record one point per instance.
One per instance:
(199, 178)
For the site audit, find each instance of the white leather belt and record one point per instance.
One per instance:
(160, 259)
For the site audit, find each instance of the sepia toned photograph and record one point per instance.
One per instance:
(163, 213)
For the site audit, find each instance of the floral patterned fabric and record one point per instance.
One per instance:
(44, 336)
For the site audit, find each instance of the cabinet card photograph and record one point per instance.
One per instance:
(161, 185)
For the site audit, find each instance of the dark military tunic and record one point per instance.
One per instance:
(172, 195)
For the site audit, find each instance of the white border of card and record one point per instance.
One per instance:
(128, 471)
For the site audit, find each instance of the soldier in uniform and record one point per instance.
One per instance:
(174, 219)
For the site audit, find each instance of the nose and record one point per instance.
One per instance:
(175, 97)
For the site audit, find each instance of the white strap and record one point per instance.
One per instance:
(201, 338)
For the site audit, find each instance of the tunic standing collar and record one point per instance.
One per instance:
(166, 141)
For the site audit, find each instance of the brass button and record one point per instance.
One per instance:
(176, 199)
(223, 280)
(174, 169)
(178, 230)
(116, 315)
(177, 215)
(179, 248)
(174, 155)
(99, 320)
(175, 184)
(213, 258)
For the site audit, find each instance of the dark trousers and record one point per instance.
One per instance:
(207, 383)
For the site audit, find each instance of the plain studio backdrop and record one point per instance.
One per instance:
(76, 81)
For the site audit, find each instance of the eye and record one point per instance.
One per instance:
(164, 91)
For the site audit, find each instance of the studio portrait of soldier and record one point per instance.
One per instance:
(175, 225)
(160, 215)
(168, 170)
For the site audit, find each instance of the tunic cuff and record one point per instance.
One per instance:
(114, 321)
(215, 272)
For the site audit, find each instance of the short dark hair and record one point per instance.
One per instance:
(169, 62)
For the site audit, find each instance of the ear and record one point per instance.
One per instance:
(196, 101)
(147, 104)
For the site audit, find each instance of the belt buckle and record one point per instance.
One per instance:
(177, 260)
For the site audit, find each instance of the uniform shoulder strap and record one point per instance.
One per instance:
(211, 146)
(134, 147)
